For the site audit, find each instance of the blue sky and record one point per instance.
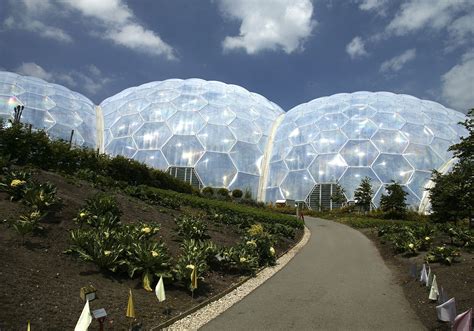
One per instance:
(290, 51)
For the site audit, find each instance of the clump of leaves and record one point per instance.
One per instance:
(13, 183)
(263, 243)
(42, 197)
(191, 227)
(27, 224)
(194, 255)
(443, 254)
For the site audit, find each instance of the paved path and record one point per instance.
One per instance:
(338, 281)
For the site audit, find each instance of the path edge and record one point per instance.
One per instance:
(208, 310)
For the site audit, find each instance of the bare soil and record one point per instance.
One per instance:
(39, 283)
(457, 280)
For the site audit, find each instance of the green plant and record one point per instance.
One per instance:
(13, 183)
(102, 204)
(393, 204)
(223, 192)
(27, 224)
(442, 254)
(363, 194)
(237, 193)
(208, 191)
(42, 197)
(248, 194)
(149, 259)
(190, 227)
(263, 243)
(193, 256)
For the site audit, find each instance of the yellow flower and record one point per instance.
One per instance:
(17, 182)
(35, 214)
(441, 248)
(154, 253)
(107, 253)
(81, 215)
(243, 259)
(252, 243)
(272, 251)
(41, 196)
(427, 238)
(411, 246)
(146, 229)
(190, 266)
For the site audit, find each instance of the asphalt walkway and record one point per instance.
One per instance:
(338, 281)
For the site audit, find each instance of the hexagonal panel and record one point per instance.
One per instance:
(186, 123)
(297, 185)
(422, 157)
(280, 150)
(359, 128)
(390, 141)
(40, 119)
(158, 112)
(392, 167)
(152, 135)
(331, 121)
(417, 134)
(216, 169)
(273, 194)
(245, 131)
(418, 182)
(300, 157)
(360, 111)
(64, 115)
(276, 173)
(328, 168)
(303, 134)
(329, 141)
(154, 159)
(359, 153)
(388, 120)
(351, 179)
(441, 146)
(162, 95)
(125, 126)
(247, 157)
(216, 138)
(182, 151)
(217, 115)
(122, 146)
(442, 130)
(245, 182)
(186, 102)
(133, 106)
(284, 131)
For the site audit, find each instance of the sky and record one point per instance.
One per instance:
(290, 51)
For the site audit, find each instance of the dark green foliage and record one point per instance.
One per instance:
(22, 146)
(248, 194)
(237, 193)
(338, 196)
(14, 182)
(393, 204)
(442, 254)
(223, 192)
(452, 197)
(190, 227)
(208, 191)
(194, 254)
(42, 198)
(363, 194)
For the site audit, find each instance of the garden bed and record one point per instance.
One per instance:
(38, 282)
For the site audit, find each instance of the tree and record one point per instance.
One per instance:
(337, 196)
(363, 194)
(394, 202)
(452, 197)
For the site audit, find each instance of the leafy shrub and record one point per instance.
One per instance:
(263, 243)
(190, 227)
(223, 192)
(237, 193)
(458, 235)
(42, 197)
(101, 204)
(208, 191)
(442, 254)
(193, 256)
(149, 259)
(27, 224)
(14, 182)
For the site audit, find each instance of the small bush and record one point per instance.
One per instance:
(193, 256)
(208, 191)
(237, 193)
(190, 227)
(223, 192)
(442, 254)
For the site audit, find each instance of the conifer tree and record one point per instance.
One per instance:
(363, 194)
(394, 202)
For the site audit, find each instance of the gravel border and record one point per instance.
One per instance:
(204, 315)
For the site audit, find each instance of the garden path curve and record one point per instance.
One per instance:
(338, 281)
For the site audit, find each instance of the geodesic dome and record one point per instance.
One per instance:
(219, 130)
(51, 107)
(346, 137)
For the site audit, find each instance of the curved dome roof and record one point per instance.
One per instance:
(345, 137)
(51, 107)
(221, 130)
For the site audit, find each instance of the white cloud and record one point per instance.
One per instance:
(269, 25)
(90, 78)
(373, 5)
(356, 48)
(398, 62)
(109, 19)
(458, 83)
(462, 29)
(32, 69)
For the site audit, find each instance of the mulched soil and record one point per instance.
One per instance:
(457, 280)
(38, 282)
